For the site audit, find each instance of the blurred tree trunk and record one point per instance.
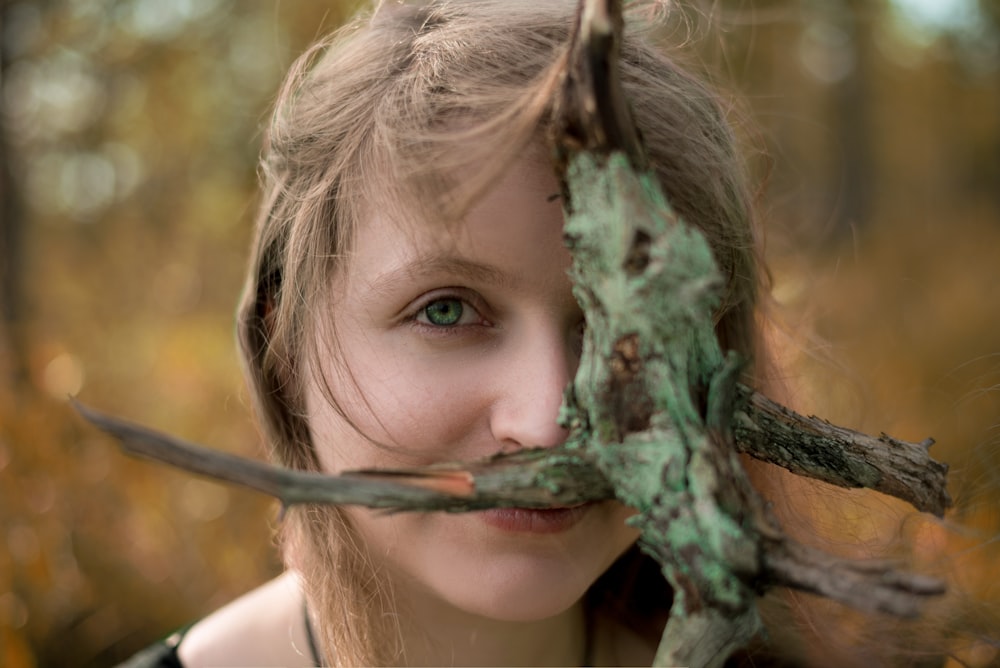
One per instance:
(990, 9)
(852, 111)
(13, 358)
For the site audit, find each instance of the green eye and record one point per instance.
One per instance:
(444, 312)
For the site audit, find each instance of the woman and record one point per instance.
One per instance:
(408, 303)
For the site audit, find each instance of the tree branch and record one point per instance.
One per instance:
(764, 430)
(655, 402)
(531, 478)
(655, 412)
(815, 448)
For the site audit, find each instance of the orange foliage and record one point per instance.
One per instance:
(137, 195)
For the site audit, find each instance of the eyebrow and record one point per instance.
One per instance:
(434, 265)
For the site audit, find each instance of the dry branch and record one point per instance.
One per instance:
(655, 402)
(656, 414)
(535, 478)
(815, 448)
(545, 477)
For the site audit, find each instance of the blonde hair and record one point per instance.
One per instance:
(383, 113)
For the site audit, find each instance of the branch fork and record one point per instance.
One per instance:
(656, 415)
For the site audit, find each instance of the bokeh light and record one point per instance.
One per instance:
(130, 133)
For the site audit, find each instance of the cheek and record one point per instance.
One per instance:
(405, 410)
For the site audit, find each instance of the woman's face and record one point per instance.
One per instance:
(454, 344)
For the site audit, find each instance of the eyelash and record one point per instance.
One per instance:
(467, 301)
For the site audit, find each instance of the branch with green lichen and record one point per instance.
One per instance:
(656, 402)
(546, 477)
(657, 416)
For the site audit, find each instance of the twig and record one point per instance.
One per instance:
(655, 412)
(812, 447)
(529, 478)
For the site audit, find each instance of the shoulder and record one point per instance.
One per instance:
(264, 627)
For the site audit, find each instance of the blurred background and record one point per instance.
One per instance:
(130, 130)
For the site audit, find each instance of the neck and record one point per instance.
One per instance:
(435, 633)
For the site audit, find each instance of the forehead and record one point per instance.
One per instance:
(516, 226)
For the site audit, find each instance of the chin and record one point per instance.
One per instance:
(522, 593)
(529, 582)
(511, 568)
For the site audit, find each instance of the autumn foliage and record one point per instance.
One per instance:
(130, 131)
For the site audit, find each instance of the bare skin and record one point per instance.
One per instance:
(265, 627)
(460, 342)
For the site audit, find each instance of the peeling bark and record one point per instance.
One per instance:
(655, 412)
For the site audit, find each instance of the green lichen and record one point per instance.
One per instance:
(653, 395)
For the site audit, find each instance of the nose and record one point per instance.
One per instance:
(532, 377)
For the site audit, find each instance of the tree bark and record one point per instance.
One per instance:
(655, 412)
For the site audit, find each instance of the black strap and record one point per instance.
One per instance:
(588, 637)
(310, 636)
(162, 654)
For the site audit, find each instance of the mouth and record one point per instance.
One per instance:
(535, 520)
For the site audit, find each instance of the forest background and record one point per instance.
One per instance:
(130, 130)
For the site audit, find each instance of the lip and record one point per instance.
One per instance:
(534, 520)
